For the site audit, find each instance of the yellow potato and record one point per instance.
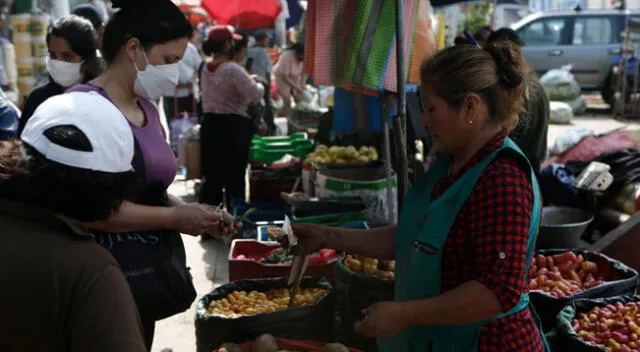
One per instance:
(334, 347)
(265, 343)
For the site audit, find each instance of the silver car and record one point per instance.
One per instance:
(588, 40)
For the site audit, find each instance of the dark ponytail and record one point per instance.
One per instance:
(150, 21)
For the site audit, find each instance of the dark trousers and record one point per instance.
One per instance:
(269, 114)
(148, 330)
(225, 141)
(184, 104)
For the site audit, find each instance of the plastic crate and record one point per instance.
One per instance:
(263, 237)
(310, 346)
(333, 220)
(275, 151)
(257, 140)
(266, 211)
(325, 206)
(240, 269)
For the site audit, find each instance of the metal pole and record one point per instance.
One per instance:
(387, 161)
(401, 153)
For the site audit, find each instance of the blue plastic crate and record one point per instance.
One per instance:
(266, 211)
(263, 237)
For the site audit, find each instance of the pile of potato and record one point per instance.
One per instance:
(563, 274)
(615, 328)
(268, 343)
(343, 155)
(382, 269)
(241, 303)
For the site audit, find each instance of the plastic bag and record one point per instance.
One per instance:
(560, 84)
(578, 105)
(561, 113)
(303, 323)
(620, 280)
(355, 292)
(179, 126)
(569, 139)
(566, 337)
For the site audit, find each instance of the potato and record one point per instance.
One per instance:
(334, 347)
(388, 265)
(265, 343)
(230, 347)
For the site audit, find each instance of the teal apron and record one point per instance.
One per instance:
(421, 236)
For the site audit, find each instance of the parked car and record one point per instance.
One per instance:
(588, 40)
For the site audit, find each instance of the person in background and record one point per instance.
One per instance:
(531, 133)
(262, 67)
(238, 52)
(183, 98)
(9, 117)
(91, 13)
(143, 44)
(482, 35)
(226, 130)
(73, 165)
(467, 230)
(290, 77)
(72, 44)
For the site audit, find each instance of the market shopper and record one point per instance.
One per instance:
(72, 44)
(290, 77)
(238, 52)
(62, 291)
(226, 130)
(467, 231)
(143, 43)
(533, 125)
(91, 13)
(262, 67)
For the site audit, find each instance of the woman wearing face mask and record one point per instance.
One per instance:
(226, 130)
(142, 45)
(72, 44)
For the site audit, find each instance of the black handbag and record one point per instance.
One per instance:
(153, 262)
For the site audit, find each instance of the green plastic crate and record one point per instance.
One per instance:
(333, 220)
(258, 140)
(274, 152)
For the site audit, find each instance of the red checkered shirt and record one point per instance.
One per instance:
(488, 243)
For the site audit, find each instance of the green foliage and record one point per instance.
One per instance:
(478, 15)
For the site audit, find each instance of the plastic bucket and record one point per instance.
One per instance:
(39, 24)
(21, 23)
(22, 44)
(40, 48)
(39, 65)
(25, 68)
(25, 85)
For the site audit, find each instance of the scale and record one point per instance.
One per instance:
(593, 181)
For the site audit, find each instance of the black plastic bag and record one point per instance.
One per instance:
(313, 323)
(621, 280)
(355, 292)
(567, 338)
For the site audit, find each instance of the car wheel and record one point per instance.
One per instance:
(608, 92)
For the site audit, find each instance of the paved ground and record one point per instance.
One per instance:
(208, 259)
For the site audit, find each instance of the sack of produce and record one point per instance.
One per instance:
(561, 113)
(360, 282)
(560, 84)
(578, 105)
(557, 277)
(600, 325)
(268, 343)
(368, 183)
(243, 310)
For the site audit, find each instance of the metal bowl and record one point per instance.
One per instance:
(562, 227)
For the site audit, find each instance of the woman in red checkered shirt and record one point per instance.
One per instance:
(467, 229)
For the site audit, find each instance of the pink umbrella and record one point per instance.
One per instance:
(243, 14)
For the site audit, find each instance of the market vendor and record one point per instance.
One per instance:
(467, 229)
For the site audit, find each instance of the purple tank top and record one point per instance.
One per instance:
(159, 160)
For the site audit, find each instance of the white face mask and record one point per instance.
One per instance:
(65, 73)
(156, 81)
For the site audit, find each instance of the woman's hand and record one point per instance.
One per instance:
(194, 219)
(311, 238)
(383, 319)
(226, 228)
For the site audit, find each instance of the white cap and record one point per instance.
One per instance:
(104, 125)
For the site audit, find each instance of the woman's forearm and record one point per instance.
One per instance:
(468, 303)
(136, 217)
(376, 243)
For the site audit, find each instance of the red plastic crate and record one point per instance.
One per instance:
(240, 269)
(268, 190)
(310, 346)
